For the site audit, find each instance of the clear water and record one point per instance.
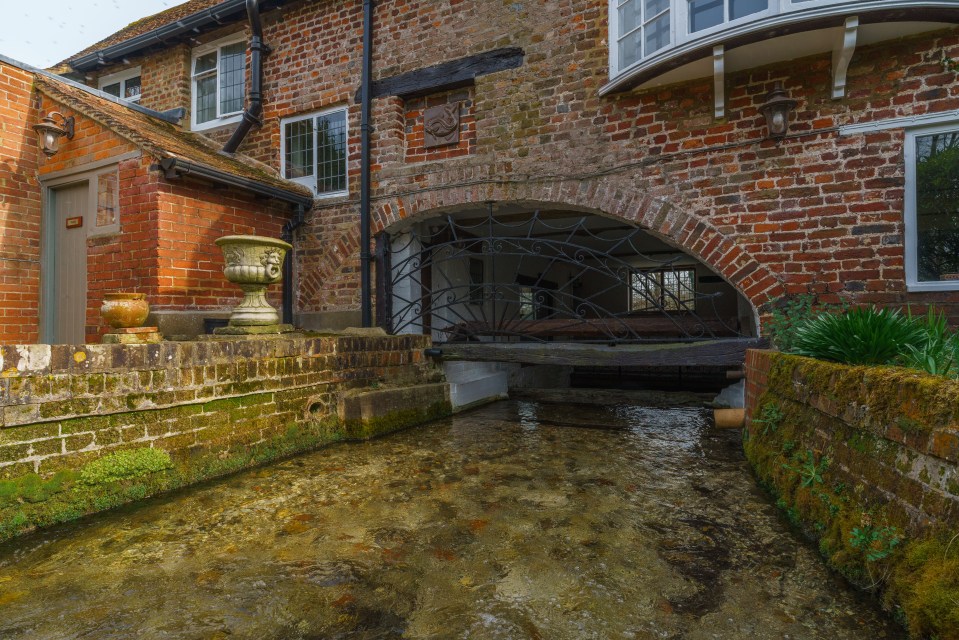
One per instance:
(519, 520)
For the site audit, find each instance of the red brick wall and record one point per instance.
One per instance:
(20, 210)
(190, 218)
(164, 247)
(818, 212)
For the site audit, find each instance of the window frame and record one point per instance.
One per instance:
(95, 230)
(221, 119)
(122, 77)
(681, 38)
(686, 306)
(910, 213)
(310, 181)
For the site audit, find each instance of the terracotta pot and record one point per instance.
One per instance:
(951, 277)
(125, 310)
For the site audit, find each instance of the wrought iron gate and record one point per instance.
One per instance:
(541, 277)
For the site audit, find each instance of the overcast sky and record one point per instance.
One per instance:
(44, 32)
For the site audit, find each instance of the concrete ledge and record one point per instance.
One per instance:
(366, 414)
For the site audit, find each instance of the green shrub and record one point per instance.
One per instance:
(790, 312)
(938, 352)
(864, 335)
(122, 465)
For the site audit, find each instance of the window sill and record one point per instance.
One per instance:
(925, 287)
(219, 122)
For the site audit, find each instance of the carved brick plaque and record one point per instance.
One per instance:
(441, 125)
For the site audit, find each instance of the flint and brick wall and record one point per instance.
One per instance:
(20, 209)
(64, 405)
(818, 212)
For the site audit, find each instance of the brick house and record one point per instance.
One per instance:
(618, 149)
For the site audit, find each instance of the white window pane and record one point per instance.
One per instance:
(131, 88)
(205, 106)
(740, 8)
(937, 205)
(630, 49)
(704, 14)
(206, 62)
(107, 199)
(331, 152)
(299, 149)
(112, 89)
(654, 7)
(232, 72)
(630, 16)
(657, 34)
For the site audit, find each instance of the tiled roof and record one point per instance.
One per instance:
(162, 139)
(143, 25)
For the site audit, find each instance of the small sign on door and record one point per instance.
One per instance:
(75, 222)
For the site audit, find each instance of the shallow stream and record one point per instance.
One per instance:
(518, 520)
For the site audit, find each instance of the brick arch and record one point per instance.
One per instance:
(693, 234)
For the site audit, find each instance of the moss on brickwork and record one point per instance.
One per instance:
(125, 476)
(913, 401)
(395, 420)
(829, 474)
(122, 465)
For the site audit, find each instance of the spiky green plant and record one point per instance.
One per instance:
(864, 335)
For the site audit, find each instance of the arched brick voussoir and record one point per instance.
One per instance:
(691, 233)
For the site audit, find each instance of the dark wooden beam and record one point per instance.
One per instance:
(447, 75)
(725, 353)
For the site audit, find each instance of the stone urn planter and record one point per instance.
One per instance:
(125, 310)
(253, 263)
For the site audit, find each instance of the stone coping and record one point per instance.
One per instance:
(45, 359)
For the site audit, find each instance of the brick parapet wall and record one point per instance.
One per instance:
(63, 405)
(865, 460)
(892, 432)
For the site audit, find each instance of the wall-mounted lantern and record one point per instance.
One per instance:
(777, 107)
(49, 132)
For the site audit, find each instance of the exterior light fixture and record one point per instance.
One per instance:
(49, 132)
(777, 107)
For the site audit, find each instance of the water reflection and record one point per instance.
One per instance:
(519, 520)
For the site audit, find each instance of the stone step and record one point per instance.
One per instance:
(462, 371)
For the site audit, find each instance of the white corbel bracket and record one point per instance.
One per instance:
(719, 81)
(842, 55)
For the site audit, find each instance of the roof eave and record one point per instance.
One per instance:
(178, 167)
(159, 36)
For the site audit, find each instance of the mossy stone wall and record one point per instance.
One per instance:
(214, 406)
(866, 461)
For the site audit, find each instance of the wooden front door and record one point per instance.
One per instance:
(66, 264)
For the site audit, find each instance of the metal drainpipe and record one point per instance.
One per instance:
(287, 235)
(366, 302)
(251, 116)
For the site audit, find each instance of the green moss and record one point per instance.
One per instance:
(122, 465)
(395, 420)
(926, 586)
(860, 536)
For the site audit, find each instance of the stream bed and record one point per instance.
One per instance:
(521, 519)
